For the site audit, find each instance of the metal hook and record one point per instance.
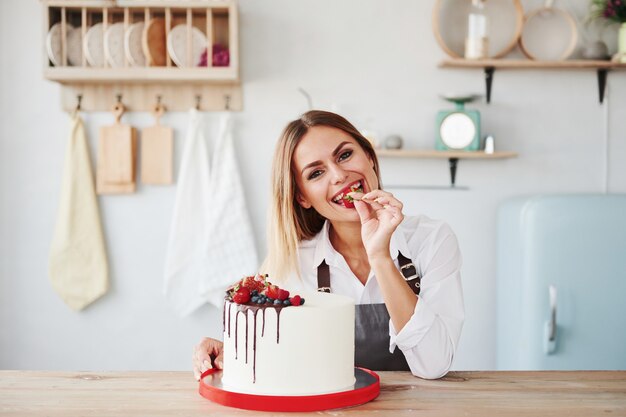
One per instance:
(79, 98)
(119, 98)
(227, 101)
(307, 96)
(158, 99)
(198, 98)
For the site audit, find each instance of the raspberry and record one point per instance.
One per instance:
(295, 300)
(242, 295)
(282, 294)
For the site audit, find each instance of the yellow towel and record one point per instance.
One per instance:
(78, 261)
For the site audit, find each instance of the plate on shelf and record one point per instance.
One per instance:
(177, 45)
(53, 44)
(74, 46)
(93, 45)
(114, 45)
(153, 42)
(132, 45)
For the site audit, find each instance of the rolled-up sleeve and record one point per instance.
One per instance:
(430, 338)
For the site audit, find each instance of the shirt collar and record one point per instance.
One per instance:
(324, 249)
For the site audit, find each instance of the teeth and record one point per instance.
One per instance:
(354, 187)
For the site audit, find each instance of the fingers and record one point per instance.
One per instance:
(366, 213)
(203, 355)
(219, 360)
(383, 198)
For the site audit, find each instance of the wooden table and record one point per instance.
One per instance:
(547, 393)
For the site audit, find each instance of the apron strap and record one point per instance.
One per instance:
(407, 268)
(409, 272)
(323, 277)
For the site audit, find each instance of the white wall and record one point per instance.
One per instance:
(371, 60)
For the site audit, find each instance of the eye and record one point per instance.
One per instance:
(315, 174)
(345, 155)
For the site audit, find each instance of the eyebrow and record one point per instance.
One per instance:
(335, 152)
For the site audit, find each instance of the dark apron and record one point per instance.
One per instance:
(371, 332)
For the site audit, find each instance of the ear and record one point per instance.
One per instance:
(302, 201)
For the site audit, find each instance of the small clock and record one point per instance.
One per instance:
(458, 129)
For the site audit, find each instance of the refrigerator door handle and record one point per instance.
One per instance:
(550, 326)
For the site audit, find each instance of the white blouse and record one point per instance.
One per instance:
(430, 337)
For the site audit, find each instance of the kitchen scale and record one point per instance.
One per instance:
(458, 129)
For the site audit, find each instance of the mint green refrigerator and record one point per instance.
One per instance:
(561, 282)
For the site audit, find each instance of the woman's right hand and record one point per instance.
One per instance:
(207, 354)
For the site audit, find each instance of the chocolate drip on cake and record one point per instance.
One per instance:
(243, 308)
(224, 317)
(229, 306)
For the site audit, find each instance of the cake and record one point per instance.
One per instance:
(275, 344)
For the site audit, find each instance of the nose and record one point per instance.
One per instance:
(338, 175)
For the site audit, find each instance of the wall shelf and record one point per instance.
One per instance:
(452, 157)
(490, 65)
(214, 86)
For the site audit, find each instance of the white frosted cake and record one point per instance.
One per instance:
(273, 348)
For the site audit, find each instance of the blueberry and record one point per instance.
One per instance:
(254, 292)
(301, 301)
(270, 300)
(277, 302)
(254, 298)
(287, 302)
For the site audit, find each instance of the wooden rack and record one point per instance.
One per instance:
(177, 88)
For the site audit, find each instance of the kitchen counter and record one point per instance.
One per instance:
(499, 393)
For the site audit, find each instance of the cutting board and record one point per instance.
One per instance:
(157, 143)
(117, 147)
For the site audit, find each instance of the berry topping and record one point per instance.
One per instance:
(283, 294)
(272, 291)
(242, 295)
(253, 284)
(295, 300)
(257, 290)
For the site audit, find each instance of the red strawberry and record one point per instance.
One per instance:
(282, 294)
(295, 300)
(252, 284)
(242, 296)
(272, 291)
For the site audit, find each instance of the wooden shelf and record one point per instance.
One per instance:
(529, 64)
(433, 154)
(140, 75)
(452, 157)
(490, 65)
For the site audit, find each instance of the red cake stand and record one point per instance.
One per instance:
(365, 389)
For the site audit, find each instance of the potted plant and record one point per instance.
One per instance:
(613, 11)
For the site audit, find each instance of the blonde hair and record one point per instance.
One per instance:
(289, 223)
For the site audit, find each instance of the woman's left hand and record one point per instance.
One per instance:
(380, 214)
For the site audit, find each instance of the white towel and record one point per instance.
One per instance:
(211, 243)
(78, 262)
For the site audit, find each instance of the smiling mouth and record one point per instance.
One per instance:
(342, 198)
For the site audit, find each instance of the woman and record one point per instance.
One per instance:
(334, 229)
